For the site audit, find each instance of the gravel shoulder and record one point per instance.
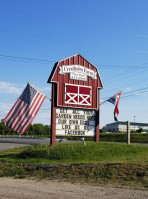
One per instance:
(33, 189)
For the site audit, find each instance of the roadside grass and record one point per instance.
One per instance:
(116, 137)
(77, 153)
(99, 163)
(122, 137)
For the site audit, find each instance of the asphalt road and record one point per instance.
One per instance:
(16, 142)
(28, 141)
(9, 142)
(6, 146)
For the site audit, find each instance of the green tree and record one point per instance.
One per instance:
(38, 129)
(104, 129)
(139, 130)
(47, 129)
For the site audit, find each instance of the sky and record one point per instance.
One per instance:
(111, 34)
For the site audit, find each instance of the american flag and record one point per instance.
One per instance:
(77, 94)
(24, 110)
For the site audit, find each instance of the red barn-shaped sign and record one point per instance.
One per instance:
(76, 88)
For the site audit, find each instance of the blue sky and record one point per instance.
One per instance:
(111, 34)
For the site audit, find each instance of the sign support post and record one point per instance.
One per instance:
(53, 116)
(97, 126)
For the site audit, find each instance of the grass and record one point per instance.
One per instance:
(118, 164)
(116, 137)
(77, 153)
(122, 137)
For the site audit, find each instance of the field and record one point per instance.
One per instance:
(122, 137)
(118, 137)
(106, 163)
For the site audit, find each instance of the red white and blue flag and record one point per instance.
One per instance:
(115, 100)
(24, 110)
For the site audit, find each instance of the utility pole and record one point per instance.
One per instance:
(128, 132)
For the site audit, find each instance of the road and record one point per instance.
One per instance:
(9, 143)
(28, 141)
(45, 189)
(16, 142)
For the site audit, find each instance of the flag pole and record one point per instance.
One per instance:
(103, 102)
(39, 90)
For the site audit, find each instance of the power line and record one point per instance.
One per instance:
(116, 66)
(125, 73)
(34, 36)
(48, 61)
(144, 80)
(24, 61)
(127, 93)
(41, 61)
(18, 58)
(45, 109)
(135, 95)
(35, 16)
(124, 78)
(135, 90)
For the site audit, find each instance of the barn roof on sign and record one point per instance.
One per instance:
(73, 60)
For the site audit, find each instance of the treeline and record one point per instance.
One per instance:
(34, 129)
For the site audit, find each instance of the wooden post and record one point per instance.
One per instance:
(53, 115)
(128, 132)
(97, 126)
(97, 117)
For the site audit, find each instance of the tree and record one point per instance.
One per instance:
(139, 130)
(104, 129)
(34, 129)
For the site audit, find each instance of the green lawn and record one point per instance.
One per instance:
(122, 137)
(77, 153)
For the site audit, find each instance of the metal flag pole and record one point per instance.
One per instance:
(39, 90)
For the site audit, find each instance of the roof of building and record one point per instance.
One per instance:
(74, 60)
(131, 123)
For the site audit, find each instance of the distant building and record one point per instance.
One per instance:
(122, 126)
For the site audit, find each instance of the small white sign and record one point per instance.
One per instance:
(78, 72)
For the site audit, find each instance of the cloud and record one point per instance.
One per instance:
(10, 88)
(43, 117)
(7, 87)
(45, 89)
(4, 109)
(127, 89)
(141, 93)
(140, 35)
(141, 51)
